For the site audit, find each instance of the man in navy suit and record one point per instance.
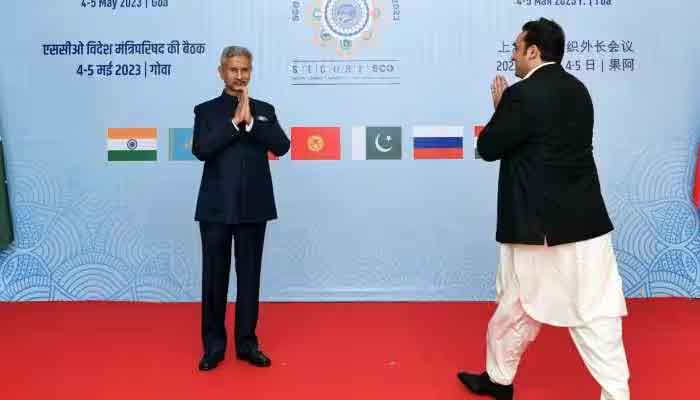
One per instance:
(232, 135)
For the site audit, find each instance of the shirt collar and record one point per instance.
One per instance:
(532, 71)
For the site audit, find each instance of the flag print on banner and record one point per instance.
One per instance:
(477, 132)
(696, 185)
(376, 143)
(7, 235)
(132, 144)
(315, 143)
(181, 144)
(438, 142)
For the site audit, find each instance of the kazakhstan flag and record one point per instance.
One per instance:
(181, 144)
(6, 231)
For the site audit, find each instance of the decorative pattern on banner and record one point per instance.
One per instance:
(657, 229)
(72, 246)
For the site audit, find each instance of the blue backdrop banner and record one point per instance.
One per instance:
(96, 114)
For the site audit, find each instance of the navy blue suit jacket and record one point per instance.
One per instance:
(236, 183)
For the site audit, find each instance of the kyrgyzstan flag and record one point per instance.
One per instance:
(696, 185)
(316, 143)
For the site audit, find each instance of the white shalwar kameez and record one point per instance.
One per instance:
(574, 285)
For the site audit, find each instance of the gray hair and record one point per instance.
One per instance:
(233, 51)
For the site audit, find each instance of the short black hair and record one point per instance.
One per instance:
(548, 36)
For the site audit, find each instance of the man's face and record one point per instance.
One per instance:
(235, 72)
(520, 56)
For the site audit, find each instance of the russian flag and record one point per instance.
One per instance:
(438, 142)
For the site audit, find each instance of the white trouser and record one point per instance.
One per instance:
(599, 343)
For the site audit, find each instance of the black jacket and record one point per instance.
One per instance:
(236, 183)
(542, 132)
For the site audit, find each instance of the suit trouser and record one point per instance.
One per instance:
(599, 343)
(248, 242)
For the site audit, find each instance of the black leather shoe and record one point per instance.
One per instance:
(210, 361)
(481, 384)
(255, 357)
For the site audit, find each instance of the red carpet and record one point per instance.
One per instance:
(321, 351)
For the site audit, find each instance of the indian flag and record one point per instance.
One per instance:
(132, 144)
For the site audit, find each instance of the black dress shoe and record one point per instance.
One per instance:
(210, 361)
(255, 357)
(481, 384)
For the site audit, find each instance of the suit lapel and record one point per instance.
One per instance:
(252, 107)
(227, 105)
